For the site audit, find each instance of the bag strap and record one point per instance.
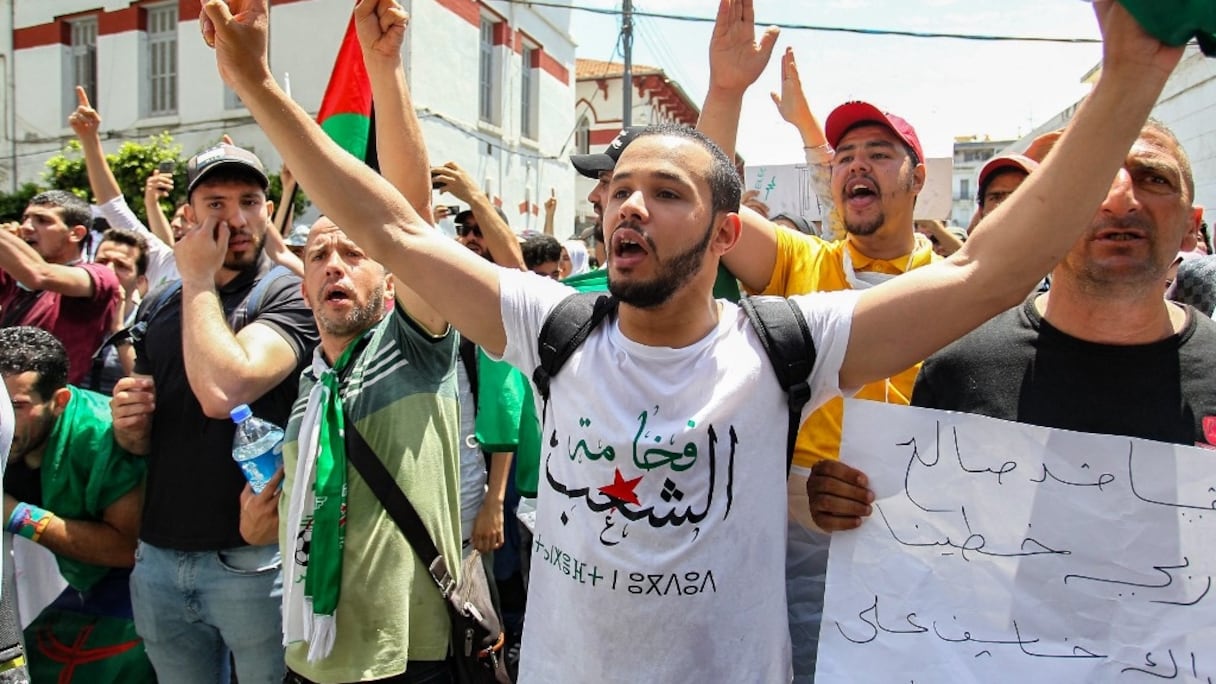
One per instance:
(257, 296)
(468, 358)
(787, 341)
(394, 501)
(565, 329)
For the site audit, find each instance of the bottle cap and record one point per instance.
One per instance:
(240, 414)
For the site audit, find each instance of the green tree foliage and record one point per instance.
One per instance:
(131, 164)
(12, 206)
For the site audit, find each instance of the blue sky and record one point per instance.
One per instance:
(944, 87)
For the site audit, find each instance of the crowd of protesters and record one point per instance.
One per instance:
(142, 553)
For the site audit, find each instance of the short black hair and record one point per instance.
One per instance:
(725, 187)
(126, 236)
(76, 212)
(540, 249)
(25, 348)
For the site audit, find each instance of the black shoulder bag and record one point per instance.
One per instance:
(477, 636)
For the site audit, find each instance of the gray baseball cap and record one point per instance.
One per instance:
(208, 161)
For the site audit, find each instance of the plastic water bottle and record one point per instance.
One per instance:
(257, 447)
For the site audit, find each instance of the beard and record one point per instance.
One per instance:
(249, 258)
(356, 320)
(673, 274)
(864, 228)
(1152, 269)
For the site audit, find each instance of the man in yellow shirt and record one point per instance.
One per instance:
(868, 167)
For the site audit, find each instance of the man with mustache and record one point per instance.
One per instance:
(199, 590)
(1101, 351)
(45, 282)
(870, 164)
(661, 513)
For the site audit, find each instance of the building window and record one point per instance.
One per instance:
(162, 60)
(964, 189)
(528, 99)
(83, 49)
(582, 137)
(485, 70)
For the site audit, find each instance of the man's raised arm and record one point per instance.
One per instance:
(914, 315)
(461, 286)
(736, 60)
(399, 143)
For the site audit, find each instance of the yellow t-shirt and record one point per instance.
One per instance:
(810, 264)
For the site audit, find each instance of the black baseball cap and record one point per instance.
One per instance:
(592, 165)
(206, 162)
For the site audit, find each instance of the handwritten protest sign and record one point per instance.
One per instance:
(1000, 552)
(785, 188)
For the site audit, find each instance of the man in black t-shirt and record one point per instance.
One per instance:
(199, 590)
(1101, 352)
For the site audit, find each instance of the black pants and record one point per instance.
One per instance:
(416, 672)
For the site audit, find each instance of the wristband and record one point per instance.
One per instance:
(29, 521)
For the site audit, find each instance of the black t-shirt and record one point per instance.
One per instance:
(23, 482)
(1019, 367)
(192, 498)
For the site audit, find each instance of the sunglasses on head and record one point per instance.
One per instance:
(462, 230)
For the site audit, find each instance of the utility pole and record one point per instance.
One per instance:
(627, 49)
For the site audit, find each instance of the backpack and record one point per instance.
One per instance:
(780, 324)
(159, 298)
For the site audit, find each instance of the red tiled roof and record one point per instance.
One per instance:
(594, 68)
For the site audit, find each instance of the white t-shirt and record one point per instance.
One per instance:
(472, 460)
(659, 550)
(162, 266)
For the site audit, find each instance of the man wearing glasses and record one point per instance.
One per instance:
(452, 179)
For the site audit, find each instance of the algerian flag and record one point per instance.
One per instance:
(346, 110)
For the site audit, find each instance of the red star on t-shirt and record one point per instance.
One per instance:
(622, 489)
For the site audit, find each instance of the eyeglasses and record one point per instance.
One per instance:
(462, 230)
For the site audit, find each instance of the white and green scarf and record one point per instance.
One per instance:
(316, 517)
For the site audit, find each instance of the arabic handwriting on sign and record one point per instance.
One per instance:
(1103, 479)
(1168, 581)
(1131, 478)
(876, 625)
(657, 457)
(1006, 467)
(975, 542)
(1150, 663)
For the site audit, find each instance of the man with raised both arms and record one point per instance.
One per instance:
(662, 505)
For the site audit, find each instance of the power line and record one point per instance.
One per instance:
(824, 29)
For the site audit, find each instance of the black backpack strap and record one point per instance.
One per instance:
(566, 327)
(153, 304)
(468, 359)
(787, 342)
(257, 296)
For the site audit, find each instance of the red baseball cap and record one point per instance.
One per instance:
(1006, 161)
(850, 114)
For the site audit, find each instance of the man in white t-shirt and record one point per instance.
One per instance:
(661, 512)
